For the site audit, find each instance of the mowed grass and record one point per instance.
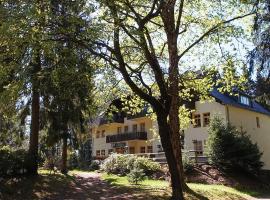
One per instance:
(197, 191)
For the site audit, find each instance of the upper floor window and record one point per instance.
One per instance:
(206, 119)
(103, 133)
(142, 127)
(196, 120)
(119, 130)
(135, 128)
(258, 122)
(126, 129)
(244, 100)
(98, 134)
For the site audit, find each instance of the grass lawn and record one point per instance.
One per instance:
(198, 191)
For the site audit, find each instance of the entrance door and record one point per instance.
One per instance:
(120, 150)
(132, 150)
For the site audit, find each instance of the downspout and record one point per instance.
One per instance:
(227, 114)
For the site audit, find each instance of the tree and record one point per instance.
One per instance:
(31, 37)
(149, 42)
(22, 33)
(231, 149)
(259, 57)
(68, 107)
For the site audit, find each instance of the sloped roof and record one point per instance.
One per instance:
(233, 101)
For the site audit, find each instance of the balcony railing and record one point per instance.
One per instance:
(126, 136)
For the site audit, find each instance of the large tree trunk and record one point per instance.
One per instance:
(33, 145)
(64, 156)
(172, 155)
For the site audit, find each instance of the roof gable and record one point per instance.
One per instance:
(233, 101)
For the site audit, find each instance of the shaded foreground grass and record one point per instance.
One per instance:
(85, 185)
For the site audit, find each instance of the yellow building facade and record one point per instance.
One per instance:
(139, 134)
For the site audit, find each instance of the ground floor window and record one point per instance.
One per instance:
(132, 150)
(110, 151)
(142, 149)
(103, 152)
(98, 153)
(159, 147)
(198, 147)
(149, 149)
(120, 150)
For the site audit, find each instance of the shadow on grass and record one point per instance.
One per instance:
(45, 186)
(194, 195)
(72, 187)
(258, 192)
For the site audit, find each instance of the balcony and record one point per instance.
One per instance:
(126, 136)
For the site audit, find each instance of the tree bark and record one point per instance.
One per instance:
(64, 156)
(174, 162)
(34, 134)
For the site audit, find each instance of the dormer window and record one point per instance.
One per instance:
(244, 100)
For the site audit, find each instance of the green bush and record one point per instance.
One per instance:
(188, 164)
(136, 175)
(116, 164)
(148, 166)
(122, 164)
(12, 162)
(95, 165)
(229, 148)
(73, 160)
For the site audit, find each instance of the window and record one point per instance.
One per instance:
(142, 127)
(159, 147)
(258, 122)
(103, 133)
(135, 128)
(196, 120)
(103, 152)
(98, 153)
(149, 149)
(182, 140)
(244, 100)
(126, 129)
(97, 134)
(90, 131)
(206, 119)
(119, 130)
(110, 151)
(142, 149)
(198, 147)
(132, 150)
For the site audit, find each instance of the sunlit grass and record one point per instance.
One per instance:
(198, 191)
(123, 181)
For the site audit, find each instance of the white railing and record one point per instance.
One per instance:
(192, 154)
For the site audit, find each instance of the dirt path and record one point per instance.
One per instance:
(90, 186)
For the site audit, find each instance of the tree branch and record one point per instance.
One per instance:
(179, 16)
(211, 30)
